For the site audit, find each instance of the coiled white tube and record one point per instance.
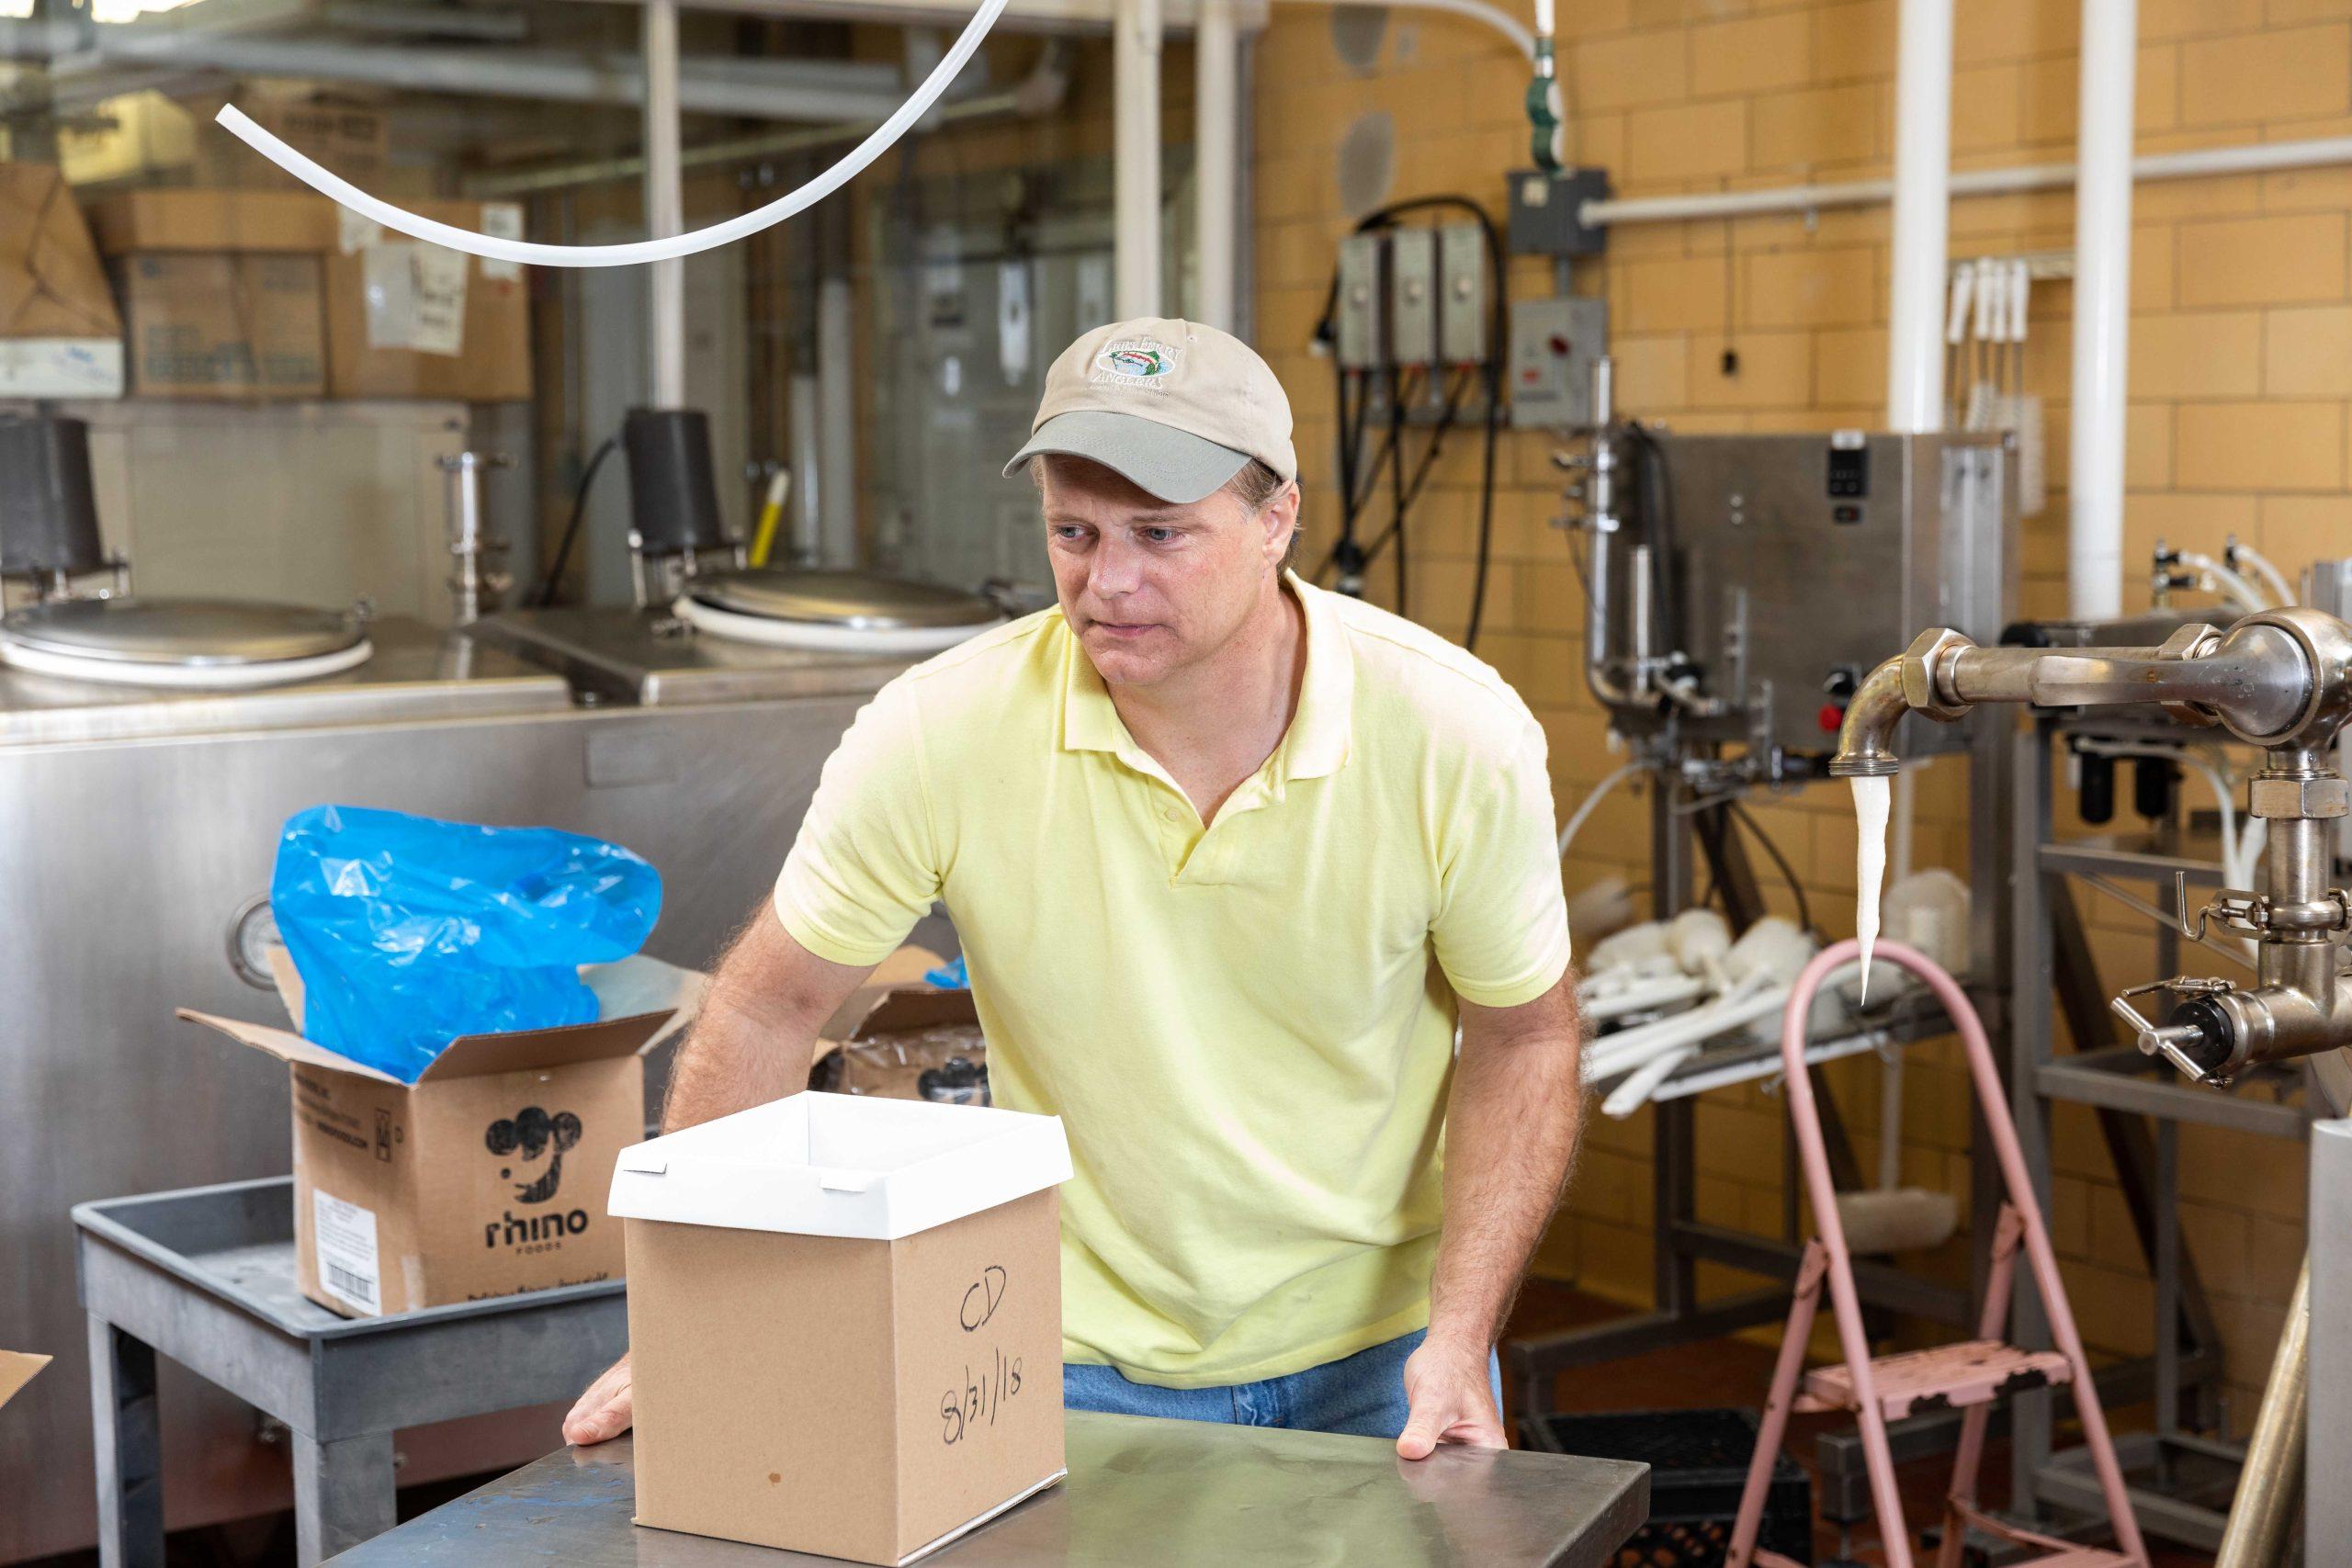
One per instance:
(850, 165)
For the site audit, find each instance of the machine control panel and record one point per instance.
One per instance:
(1552, 346)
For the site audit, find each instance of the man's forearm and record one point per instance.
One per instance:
(1512, 1123)
(755, 1038)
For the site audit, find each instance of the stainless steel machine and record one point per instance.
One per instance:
(1741, 586)
(142, 826)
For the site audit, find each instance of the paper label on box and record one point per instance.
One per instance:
(347, 1250)
(416, 297)
(355, 232)
(501, 221)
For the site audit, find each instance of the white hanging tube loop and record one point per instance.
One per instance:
(491, 248)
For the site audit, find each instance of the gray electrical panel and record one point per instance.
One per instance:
(1552, 346)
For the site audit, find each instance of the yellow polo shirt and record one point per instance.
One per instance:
(1247, 1029)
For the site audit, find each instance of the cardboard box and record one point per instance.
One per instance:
(484, 1178)
(410, 320)
(143, 220)
(844, 1322)
(240, 326)
(130, 136)
(18, 1367)
(60, 335)
(348, 137)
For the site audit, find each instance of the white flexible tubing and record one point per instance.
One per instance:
(1639, 1086)
(1665, 991)
(491, 248)
(1577, 818)
(1746, 1003)
(2225, 582)
(2270, 574)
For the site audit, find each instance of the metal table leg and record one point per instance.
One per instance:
(128, 1429)
(343, 1493)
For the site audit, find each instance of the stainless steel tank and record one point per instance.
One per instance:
(140, 823)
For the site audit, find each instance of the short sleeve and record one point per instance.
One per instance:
(865, 866)
(1502, 931)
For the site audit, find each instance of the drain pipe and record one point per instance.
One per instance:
(2102, 310)
(1216, 53)
(1136, 29)
(1914, 338)
(664, 206)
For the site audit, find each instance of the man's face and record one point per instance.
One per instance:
(1150, 587)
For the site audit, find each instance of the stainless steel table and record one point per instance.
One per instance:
(206, 1276)
(1141, 1493)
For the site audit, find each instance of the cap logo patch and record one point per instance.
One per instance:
(1136, 362)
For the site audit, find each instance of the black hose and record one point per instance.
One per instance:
(1748, 823)
(571, 528)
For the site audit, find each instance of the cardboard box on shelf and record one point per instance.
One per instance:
(129, 136)
(247, 326)
(348, 137)
(410, 320)
(18, 1367)
(60, 335)
(144, 221)
(485, 1177)
(914, 1250)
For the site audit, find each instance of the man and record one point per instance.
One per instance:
(1228, 856)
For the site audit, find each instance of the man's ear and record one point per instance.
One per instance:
(1279, 516)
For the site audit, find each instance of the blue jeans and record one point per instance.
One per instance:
(1362, 1393)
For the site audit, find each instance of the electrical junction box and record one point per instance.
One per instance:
(1552, 346)
(1413, 297)
(1363, 339)
(1465, 309)
(1547, 212)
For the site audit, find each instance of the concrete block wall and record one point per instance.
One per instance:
(2241, 419)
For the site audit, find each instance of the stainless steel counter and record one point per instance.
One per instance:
(415, 674)
(1141, 1493)
(631, 656)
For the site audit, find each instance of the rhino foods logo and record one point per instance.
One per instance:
(523, 1139)
(1136, 362)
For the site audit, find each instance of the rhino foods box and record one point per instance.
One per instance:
(485, 1176)
(885, 1273)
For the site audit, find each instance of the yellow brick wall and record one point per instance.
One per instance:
(2240, 397)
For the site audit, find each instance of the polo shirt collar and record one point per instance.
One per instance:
(1315, 745)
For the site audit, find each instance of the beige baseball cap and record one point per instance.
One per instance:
(1176, 407)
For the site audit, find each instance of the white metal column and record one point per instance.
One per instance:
(2102, 309)
(1915, 341)
(664, 206)
(1135, 157)
(836, 423)
(1216, 48)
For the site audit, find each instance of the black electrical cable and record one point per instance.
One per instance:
(1804, 909)
(1421, 471)
(1396, 478)
(571, 528)
(1486, 516)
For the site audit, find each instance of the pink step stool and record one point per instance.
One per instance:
(1971, 1375)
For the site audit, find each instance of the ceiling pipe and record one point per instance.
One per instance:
(1136, 36)
(774, 90)
(2102, 310)
(1914, 338)
(1041, 92)
(665, 207)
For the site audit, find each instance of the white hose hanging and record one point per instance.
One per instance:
(491, 248)
(1578, 817)
(2227, 583)
(2271, 576)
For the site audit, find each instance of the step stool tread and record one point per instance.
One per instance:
(1968, 1373)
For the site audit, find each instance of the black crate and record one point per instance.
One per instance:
(1698, 1461)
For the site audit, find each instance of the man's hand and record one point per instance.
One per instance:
(1445, 1383)
(604, 1411)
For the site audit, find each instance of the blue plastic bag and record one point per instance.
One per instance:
(410, 932)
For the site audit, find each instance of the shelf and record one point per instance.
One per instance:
(2120, 1078)
(2133, 856)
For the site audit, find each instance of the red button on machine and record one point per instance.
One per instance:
(1832, 718)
